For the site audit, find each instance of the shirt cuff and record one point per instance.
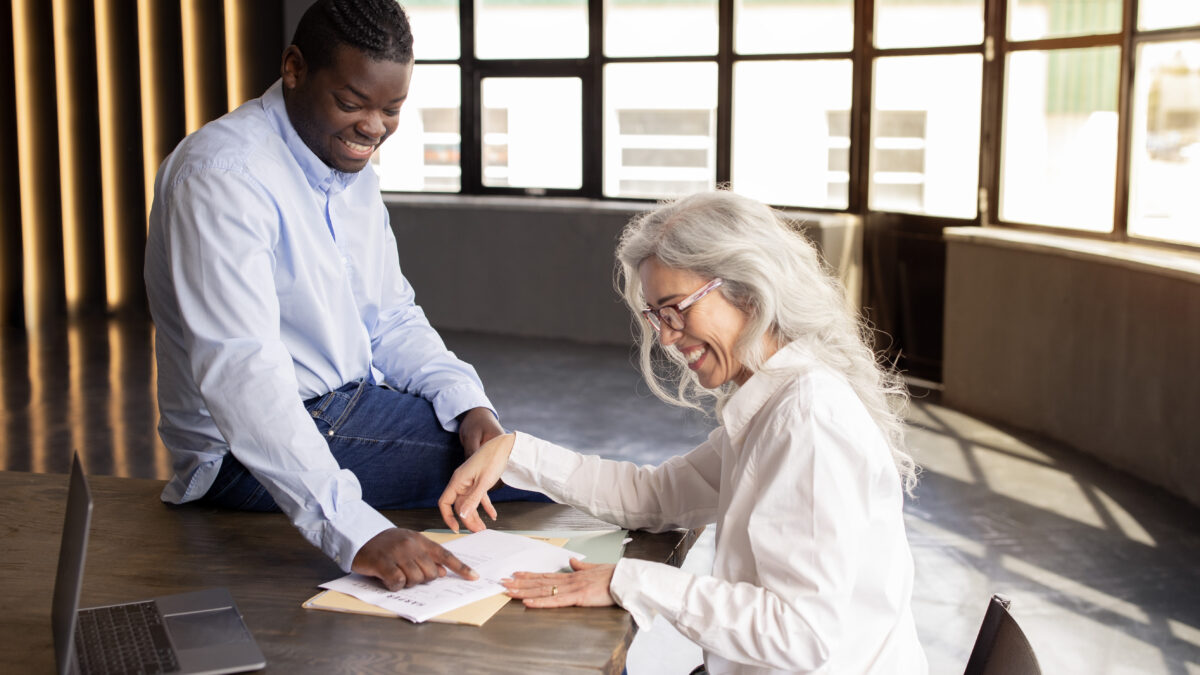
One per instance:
(647, 589)
(518, 473)
(357, 523)
(539, 465)
(452, 402)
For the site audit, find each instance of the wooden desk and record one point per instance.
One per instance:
(140, 548)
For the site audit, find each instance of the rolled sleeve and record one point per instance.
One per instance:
(646, 590)
(356, 524)
(680, 492)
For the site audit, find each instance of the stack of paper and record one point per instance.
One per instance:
(494, 555)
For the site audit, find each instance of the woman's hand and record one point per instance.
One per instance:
(587, 586)
(468, 487)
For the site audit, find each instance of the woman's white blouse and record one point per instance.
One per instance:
(812, 571)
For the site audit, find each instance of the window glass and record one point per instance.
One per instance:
(532, 132)
(531, 29)
(791, 143)
(1153, 14)
(1037, 19)
(921, 23)
(1164, 202)
(423, 154)
(770, 27)
(636, 27)
(659, 128)
(435, 28)
(1058, 162)
(925, 135)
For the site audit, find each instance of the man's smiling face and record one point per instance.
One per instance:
(344, 111)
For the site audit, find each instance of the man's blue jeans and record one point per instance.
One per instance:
(392, 441)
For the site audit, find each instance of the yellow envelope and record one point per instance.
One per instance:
(474, 614)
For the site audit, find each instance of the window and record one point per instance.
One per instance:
(531, 29)
(532, 136)
(636, 27)
(660, 140)
(1060, 138)
(787, 27)
(1165, 150)
(925, 135)
(1060, 122)
(791, 145)
(928, 23)
(1064, 117)
(1156, 14)
(424, 153)
(1037, 19)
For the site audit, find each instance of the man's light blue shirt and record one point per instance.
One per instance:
(272, 279)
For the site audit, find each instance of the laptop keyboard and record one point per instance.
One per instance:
(127, 638)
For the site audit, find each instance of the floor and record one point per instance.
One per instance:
(1103, 570)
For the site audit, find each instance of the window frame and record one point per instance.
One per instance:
(863, 55)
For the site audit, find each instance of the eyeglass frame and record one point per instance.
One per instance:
(654, 315)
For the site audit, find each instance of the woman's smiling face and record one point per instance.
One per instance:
(711, 328)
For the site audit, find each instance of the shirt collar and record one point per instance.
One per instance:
(320, 175)
(745, 403)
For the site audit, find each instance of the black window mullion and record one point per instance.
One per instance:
(860, 105)
(593, 104)
(470, 115)
(992, 103)
(1125, 122)
(725, 20)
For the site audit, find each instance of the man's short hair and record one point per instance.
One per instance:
(378, 28)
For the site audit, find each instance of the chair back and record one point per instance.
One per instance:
(1001, 647)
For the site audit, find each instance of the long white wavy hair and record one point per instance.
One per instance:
(775, 275)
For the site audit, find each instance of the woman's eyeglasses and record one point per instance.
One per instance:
(672, 315)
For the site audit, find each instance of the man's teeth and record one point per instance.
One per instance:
(694, 356)
(357, 147)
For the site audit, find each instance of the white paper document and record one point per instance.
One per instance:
(494, 555)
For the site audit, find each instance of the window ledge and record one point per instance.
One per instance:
(805, 219)
(1184, 265)
(514, 203)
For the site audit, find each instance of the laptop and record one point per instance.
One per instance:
(198, 632)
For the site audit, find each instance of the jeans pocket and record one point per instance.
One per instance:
(328, 410)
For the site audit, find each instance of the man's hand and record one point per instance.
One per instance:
(402, 558)
(478, 426)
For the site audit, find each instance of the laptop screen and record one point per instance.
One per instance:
(69, 579)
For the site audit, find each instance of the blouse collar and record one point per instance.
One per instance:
(745, 403)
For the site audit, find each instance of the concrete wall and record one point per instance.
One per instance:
(1091, 343)
(545, 267)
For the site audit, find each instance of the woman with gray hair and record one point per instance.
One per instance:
(805, 477)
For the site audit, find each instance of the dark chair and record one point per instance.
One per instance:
(1001, 647)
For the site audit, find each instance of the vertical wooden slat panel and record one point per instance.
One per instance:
(161, 58)
(33, 58)
(253, 47)
(121, 152)
(203, 23)
(79, 156)
(11, 266)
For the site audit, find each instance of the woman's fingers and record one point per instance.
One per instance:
(586, 587)
(467, 489)
(488, 508)
(467, 509)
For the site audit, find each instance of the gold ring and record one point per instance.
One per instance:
(554, 590)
